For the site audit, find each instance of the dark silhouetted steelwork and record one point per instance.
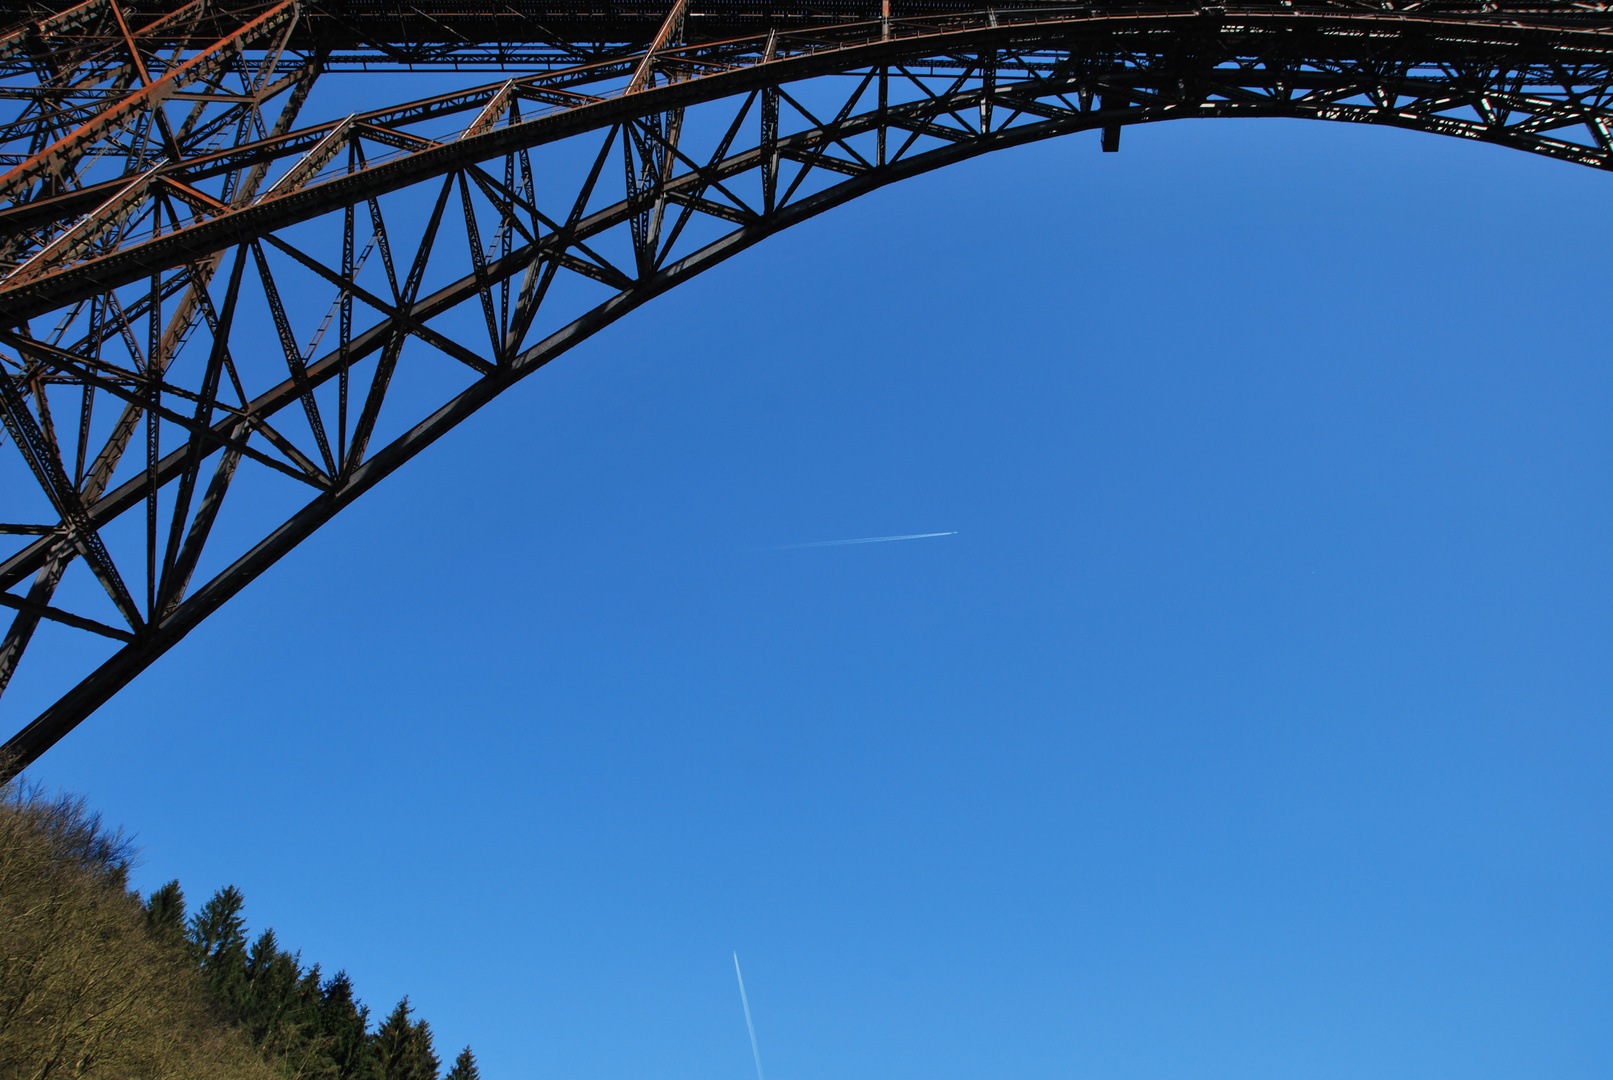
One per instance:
(207, 292)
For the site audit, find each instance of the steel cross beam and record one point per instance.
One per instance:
(185, 258)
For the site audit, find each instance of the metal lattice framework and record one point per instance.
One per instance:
(204, 293)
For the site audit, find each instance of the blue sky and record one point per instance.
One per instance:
(1253, 724)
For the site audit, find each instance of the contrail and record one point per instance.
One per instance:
(748, 1025)
(860, 540)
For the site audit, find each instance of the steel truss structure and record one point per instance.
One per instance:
(205, 292)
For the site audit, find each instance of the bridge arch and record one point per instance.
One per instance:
(239, 291)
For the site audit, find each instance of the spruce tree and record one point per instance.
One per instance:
(344, 1022)
(403, 1047)
(218, 941)
(165, 912)
(279, 1004)
(464, 1067)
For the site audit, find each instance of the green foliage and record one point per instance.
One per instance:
(95, 983)
(403, 1047)
(464, 1067)
(344, 1024)
(218, 936)
(165, 913)
(262, 988)
(312, 1028)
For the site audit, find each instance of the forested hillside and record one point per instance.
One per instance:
(96, 982)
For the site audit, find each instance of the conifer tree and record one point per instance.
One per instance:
(279, 1004)
(218, 940)
(464, 1067)
(403, 1047)
(165, 912)
(344, 1023)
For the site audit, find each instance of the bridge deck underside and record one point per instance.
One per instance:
(457, 32)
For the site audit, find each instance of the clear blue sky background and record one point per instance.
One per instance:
(1254, 724)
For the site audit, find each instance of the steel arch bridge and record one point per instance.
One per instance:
(215, 282)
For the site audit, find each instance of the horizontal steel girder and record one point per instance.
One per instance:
(202, 294)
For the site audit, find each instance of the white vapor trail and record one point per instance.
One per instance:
(862, 540)
(743, 1000)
